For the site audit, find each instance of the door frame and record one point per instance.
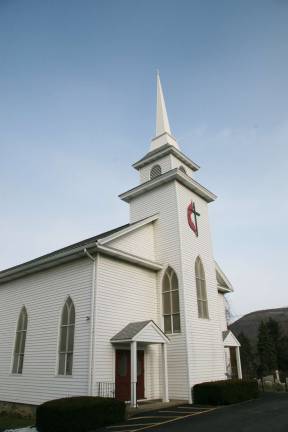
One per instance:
(127, 347)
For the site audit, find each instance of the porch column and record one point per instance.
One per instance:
(134, 374)
(165, 396)
(238, 360)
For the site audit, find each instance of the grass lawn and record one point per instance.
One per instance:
(10, 422)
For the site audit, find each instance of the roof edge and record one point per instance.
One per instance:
(163, 151)
(221, 288)
(136, 225)
(171, 175)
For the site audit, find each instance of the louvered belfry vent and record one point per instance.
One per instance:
(155, 172)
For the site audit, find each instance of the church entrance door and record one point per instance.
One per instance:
(233, 362)
(123, 375)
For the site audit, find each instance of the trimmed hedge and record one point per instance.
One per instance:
(78, 414)
(225, 392)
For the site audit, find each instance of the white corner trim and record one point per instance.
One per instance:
(129, 229)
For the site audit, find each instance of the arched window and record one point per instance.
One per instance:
(66, 345)
(19, 349)
(201, 289)
(170, 297)
(155, 171)
(181, 168)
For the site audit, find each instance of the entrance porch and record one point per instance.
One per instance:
(130, 364)
(232, 355)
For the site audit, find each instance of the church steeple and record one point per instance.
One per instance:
(163, 131)
(162, 122)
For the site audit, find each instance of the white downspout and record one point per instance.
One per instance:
(92, 318)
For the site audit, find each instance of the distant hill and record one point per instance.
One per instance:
(249, 323)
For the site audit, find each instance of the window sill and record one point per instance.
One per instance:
(173, 334)
(63, 376)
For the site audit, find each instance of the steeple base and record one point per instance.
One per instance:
(164, 138)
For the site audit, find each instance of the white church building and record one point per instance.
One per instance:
(137, 312)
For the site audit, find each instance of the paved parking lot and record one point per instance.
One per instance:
(269, 413)
(162, 417)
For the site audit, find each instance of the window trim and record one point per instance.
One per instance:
(66, 352)
(21, 343)
(170, 291)
(201, 290)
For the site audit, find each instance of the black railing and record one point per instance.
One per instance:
(105, 389)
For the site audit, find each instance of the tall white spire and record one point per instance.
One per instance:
(162, 122)
(163, 131)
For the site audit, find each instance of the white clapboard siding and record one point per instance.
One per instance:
(167, 251)
(166, 163)
(44, 294)
(222, 311)
(125, 293)
(139, 242)
(205, 345)
(176, 163)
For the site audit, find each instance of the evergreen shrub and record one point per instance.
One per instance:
(225, 392)
(78, 414)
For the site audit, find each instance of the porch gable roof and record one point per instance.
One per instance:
(141, 331)
(229, 339)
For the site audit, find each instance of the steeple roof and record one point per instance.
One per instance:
(162, 122)
(163, 131)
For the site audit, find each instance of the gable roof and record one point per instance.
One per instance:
(130, 330)
(134, 330)
(223, 283)
(67, 253)
(229, 339)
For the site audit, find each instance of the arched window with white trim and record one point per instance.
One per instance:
(155, 171)
(201, 289)
(19, 349)
(66, 343)
(170, 302)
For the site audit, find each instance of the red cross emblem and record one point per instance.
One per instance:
(192, 217)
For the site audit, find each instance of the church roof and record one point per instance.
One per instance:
(224, 285)
(61, 255)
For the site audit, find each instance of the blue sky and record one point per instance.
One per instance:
(77, 86)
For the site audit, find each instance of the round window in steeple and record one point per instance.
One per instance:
(155, 171)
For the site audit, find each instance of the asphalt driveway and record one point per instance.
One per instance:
(269, 413)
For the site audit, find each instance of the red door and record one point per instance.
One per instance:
(123, 375)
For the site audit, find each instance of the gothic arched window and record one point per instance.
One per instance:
(19, 349)
(66, 345)
(170, 301)
(201, 289)
(155, 171)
